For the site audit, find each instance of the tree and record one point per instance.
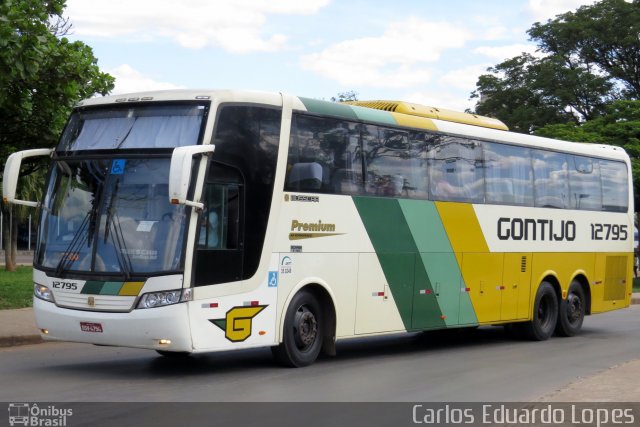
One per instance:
(603, 35)
(350, 95)
(592, 58)
(42, 75)
(514, 94)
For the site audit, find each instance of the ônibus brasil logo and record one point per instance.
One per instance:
(28, 414)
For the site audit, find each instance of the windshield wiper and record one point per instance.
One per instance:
(70, 255)
(122, 254)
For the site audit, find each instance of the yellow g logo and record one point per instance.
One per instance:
(237, 324)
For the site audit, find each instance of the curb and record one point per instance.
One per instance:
(15, 340)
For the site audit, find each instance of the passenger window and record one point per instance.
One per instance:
(396, 163)
(455, 170)
(551, 183)
(615, 186)
(508, 174)
(324, 156)
(584, 183)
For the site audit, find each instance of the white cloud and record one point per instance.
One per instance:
(398, 58)
(236, 26)
(130, 80)
(464, 78)
(500, 53)
(548, 9)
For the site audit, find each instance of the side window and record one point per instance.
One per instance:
(551, 183)
(324, 156)
(584, 183)
(219, 221)
(615, 186)
(455, 170)
(396, 163)
(508, 174)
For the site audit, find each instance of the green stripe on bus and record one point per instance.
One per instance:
(111, 288)
(377, 116)
(329, 108)
(92, 287)
(400, 260)
(441, 265)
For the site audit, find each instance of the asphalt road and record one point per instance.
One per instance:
(22, 258)
(477, 365)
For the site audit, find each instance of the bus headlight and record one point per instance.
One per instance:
(42, 292)
(161, 299)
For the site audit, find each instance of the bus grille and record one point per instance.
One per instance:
(95, 302)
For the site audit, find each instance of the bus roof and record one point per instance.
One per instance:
(394, 113)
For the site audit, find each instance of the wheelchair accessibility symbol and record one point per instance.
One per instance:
(273, 279)
(117, 167)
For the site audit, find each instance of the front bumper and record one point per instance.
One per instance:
(143, 328)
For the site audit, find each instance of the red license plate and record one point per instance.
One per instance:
(90, 327)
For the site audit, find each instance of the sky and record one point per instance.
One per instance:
(429, 52)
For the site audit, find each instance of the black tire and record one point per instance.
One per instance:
(303, 331)
(545, 314)
(174, 354)
(572, 311)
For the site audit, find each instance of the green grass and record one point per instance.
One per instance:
(16, 288)
(636, 284)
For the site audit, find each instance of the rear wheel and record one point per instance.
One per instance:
(572, 311)
(303, 331)
(545, 314)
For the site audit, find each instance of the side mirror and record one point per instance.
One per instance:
(12, 173)
(180, 173)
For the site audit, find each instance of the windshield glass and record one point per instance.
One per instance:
(149, 126)
(110, 216)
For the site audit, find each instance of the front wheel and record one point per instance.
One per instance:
(545, 314)
(572, 311)
(303, 331)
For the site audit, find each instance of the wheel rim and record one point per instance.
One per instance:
(305, 328)
(574, 308)
(545, 312)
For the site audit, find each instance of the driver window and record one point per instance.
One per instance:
(220, 218)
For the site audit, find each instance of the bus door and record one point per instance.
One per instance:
(220, 238)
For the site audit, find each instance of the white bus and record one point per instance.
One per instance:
(199, 221)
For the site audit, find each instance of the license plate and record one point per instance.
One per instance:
(90, 327)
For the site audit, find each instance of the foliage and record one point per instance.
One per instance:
(16, 288)
(592, 58)
(516, 94)
(42, 75)
(603, 35)
(350, 95)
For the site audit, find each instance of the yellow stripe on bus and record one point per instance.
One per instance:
(131, 289)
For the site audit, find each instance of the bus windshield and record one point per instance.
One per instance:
(110, 216)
